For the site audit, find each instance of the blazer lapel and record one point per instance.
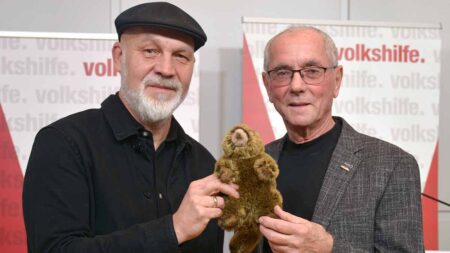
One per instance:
(344, 162)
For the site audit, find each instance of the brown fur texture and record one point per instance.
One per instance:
(246, 164)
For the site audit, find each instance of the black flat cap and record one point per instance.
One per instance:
(161, 15)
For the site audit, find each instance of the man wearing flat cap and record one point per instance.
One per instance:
(125, 177)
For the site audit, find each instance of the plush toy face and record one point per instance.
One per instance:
(242, 142)
(246, 164)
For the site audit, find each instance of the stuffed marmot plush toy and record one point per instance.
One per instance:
(246, 164)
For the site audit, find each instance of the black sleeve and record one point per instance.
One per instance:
(58, 206)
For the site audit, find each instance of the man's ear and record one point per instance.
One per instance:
(266, 84)
(338, 80)
(117, 55)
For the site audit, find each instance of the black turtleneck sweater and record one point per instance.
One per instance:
(302, 170)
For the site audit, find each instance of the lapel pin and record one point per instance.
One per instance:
(344, 167)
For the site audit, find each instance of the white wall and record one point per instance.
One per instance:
(221, 63)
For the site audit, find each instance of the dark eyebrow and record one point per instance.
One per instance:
(281, 66)
(184, 51)
(312, 63)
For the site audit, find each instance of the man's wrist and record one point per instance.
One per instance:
(181, 238)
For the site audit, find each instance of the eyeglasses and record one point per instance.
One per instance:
(310, 75)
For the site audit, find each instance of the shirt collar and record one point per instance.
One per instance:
(124, 125)
(177, 134)
(174, 130)
(120, 120)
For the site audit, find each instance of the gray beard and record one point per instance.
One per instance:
(152, 110)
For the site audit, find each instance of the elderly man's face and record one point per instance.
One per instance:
(304, 106)
(156, 66)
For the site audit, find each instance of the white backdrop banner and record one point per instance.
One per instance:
(390, 87)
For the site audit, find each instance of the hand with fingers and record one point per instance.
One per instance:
(199, 205)
(292, 234)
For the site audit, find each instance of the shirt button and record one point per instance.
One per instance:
(145, 133)
(147, 195)
(160, 195)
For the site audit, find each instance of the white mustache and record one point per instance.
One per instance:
(152, 79)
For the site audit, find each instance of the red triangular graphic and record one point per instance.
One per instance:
(430, 207)
(12, 229)
(254, 112)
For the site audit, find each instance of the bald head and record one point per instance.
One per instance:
(329, 46)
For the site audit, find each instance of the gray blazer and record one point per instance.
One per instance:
(370, 200)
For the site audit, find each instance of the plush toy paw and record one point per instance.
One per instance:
(225, 171)
(228, 222)
(265, 169)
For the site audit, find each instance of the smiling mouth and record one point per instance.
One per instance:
(298, 104)
(162, 87)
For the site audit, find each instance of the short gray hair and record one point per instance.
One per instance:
(330, 47)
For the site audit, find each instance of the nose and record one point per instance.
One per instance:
(239, 137)
(164, 66)
(297, 84)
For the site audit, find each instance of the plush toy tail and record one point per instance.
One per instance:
(245, 240)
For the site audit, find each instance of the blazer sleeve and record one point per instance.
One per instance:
(398, 225)
(57, 204)
(398, 218)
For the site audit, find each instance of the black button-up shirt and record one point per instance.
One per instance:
(156, 165)
(94, 183)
